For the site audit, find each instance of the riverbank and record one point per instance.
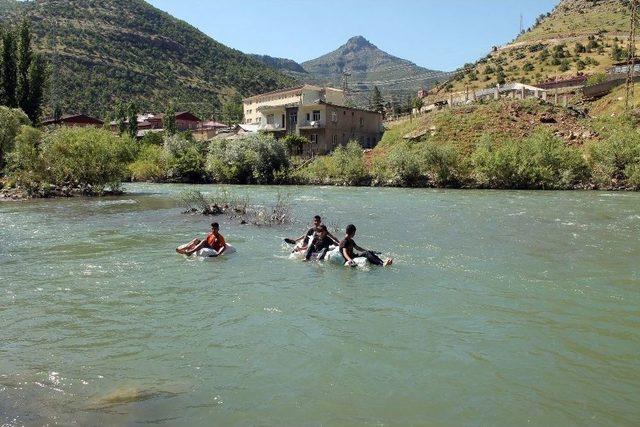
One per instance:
(506, 144)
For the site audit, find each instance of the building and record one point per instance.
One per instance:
(315, 113)
(207, 130)
(74, 120)
(185, 121)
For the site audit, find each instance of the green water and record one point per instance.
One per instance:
(502, 309)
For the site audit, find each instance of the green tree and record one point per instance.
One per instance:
(9, 70)
(170, 120)
(418, 103)
(10, 121)
(232, 111)
(377, 102)
(38, 76)
(132, 119)
(121, 118)
(23, 63)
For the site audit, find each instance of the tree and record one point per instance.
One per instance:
(38, 76)
(418, 103)
(170, 120)
(23, 92)
(9, 69)
(377, 102)
(120, 117)
(132, 119)
(232, 111)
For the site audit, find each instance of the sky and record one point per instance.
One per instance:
(436, 34)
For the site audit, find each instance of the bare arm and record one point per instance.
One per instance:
(198, 247)
(332, 237)
(345, 252)
(224, 248)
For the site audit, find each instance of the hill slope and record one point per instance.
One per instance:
(369, 66)
(111, 50)
(578, 36)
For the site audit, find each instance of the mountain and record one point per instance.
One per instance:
(577, 37)
(107, 51)
(281, 64)
(369, 66)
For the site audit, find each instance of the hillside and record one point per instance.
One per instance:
(577, 37)
(121, 50)
(370, 66)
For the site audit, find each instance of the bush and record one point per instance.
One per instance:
(186, 158)
(152, 138)
(11, 120)
(344, 166)
(151, 164)
(541, 161)
(442, 163)
(616, 160)
(86, 157)
(400, 166)
(253, 159)
(25, 165)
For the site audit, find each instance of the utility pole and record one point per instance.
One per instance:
(521, 24)
(630, 86)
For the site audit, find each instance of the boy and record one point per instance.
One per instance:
(347, 246)
(213, 240)
(320, 243)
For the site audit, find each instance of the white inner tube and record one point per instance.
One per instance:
(210, 253)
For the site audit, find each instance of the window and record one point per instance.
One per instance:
(334, 140)
(344, 113)
(293, 118)
(308, 117)
(334, 117)
(248, 120)
(314, 138)
(270, 119)
(316, 116)
(361, 121)
(353, 114)
(259, 120)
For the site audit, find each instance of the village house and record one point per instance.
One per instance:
(207, 130)
(318, 114)
(185, 121)
(74, 120)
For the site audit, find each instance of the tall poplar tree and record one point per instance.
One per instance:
(9, 70)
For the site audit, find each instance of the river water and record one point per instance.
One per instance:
(502, 308)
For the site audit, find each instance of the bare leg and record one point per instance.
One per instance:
(187, 247)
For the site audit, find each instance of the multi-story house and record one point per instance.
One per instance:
(315, 113)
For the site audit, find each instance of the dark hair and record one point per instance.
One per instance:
(215, 225)
(351, 229)
(323, 228)
(317, 217)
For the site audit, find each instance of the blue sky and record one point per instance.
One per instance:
(437, 34)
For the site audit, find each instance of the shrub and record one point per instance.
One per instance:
(186, 158)
(152, 138)
(344, 166)
(11, 120)
(253, 159)
(86, 157)
(616, 160)
(25, 165)
(400, 166)
(442, 163)
(151, 164)
(541, 161)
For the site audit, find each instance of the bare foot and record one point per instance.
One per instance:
(388, 262)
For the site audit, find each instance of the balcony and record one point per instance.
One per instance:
(312, 124)
(272, 128)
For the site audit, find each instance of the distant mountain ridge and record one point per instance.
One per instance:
(107, 51)
(367, 66)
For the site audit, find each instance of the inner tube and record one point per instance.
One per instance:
(210, 253)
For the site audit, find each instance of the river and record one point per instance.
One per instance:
(502, 308)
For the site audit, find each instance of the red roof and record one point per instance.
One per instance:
(73, 118)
